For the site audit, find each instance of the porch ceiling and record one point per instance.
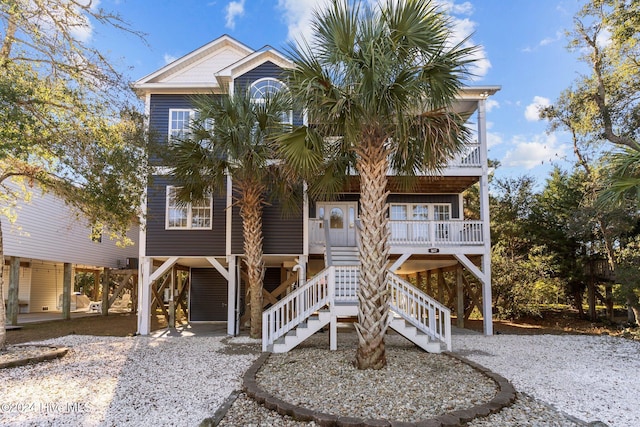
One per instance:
(421, 184)
(421, 263)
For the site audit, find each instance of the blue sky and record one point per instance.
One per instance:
(523, 50)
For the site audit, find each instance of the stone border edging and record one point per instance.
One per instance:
(505, 397)
(55, 353)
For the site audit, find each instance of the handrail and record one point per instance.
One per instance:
(442, 233)
(469, 156)
(340, 284)
(327, 243)
(296, 307)
(419, 309)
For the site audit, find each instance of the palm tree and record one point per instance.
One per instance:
(231, 137)
(623, 178)
(377, 85)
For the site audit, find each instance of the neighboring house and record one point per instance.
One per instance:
(429, 234)
(46, 234)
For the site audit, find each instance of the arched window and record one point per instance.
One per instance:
(268, 86)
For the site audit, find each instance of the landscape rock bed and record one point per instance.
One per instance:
(20, 355)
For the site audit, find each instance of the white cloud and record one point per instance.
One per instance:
(559, 36)
(493, 139)
(234, 9)
(532, 112)
(529, 153)
(168, 59)
(490, 104)
(297, 14)
(550, 40)
(604, 38)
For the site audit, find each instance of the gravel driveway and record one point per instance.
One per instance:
(137, 381)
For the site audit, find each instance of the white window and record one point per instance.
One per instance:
(399, 230)
(190, 216)
(410, 220)
(442, 213)
(262, 88)
(180, 122)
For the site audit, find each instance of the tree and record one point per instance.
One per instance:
(64, 121)
(232, 136)
(602, 108)
(376, 84)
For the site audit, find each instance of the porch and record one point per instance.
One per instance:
(418, 235)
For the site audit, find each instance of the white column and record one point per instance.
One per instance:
(305, 219)
(487, 311)
(231, 296)
(229, 213)
(144, 296)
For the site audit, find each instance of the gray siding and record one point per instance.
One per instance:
(161, 242)
(159, 113)
(281, 234)
(268, 69)
(208, 295)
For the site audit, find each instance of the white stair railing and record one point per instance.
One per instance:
(347, 281)
(296, 307)
(419, 309)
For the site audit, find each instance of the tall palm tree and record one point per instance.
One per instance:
(231, 137)
(377, 85)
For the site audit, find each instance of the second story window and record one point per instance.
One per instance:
(262, 88)
(190, 216)
(179, 122)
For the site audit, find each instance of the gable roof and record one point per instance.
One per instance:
(195, 72)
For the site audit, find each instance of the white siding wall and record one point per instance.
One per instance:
(24, 287)
(204, 71)
(46, 229)
(46, 285)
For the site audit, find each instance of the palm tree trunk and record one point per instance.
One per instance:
(251, 195)
(373, 297)
(3, 330)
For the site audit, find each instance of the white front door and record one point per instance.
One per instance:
(341, 217)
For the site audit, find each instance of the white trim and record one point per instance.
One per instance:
(229, 215)
(212, 46)
(144, 296)
(231, 296)
(216, 264)
(253, 61)
(162, 269)
(398, 263)
(283, 86)
(170, 129)
(189, 207)
(305, 219)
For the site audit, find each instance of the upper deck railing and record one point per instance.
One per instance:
(416, 233)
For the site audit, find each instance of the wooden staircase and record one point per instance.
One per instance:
(332, 294)
(345, 255)
(413, 334)
(304, 330)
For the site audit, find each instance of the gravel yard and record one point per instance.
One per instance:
(138, 381)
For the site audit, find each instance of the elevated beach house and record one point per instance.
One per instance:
(190, 256)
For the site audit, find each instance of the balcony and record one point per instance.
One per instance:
(406, 234)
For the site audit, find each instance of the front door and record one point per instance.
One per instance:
(341, 217)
